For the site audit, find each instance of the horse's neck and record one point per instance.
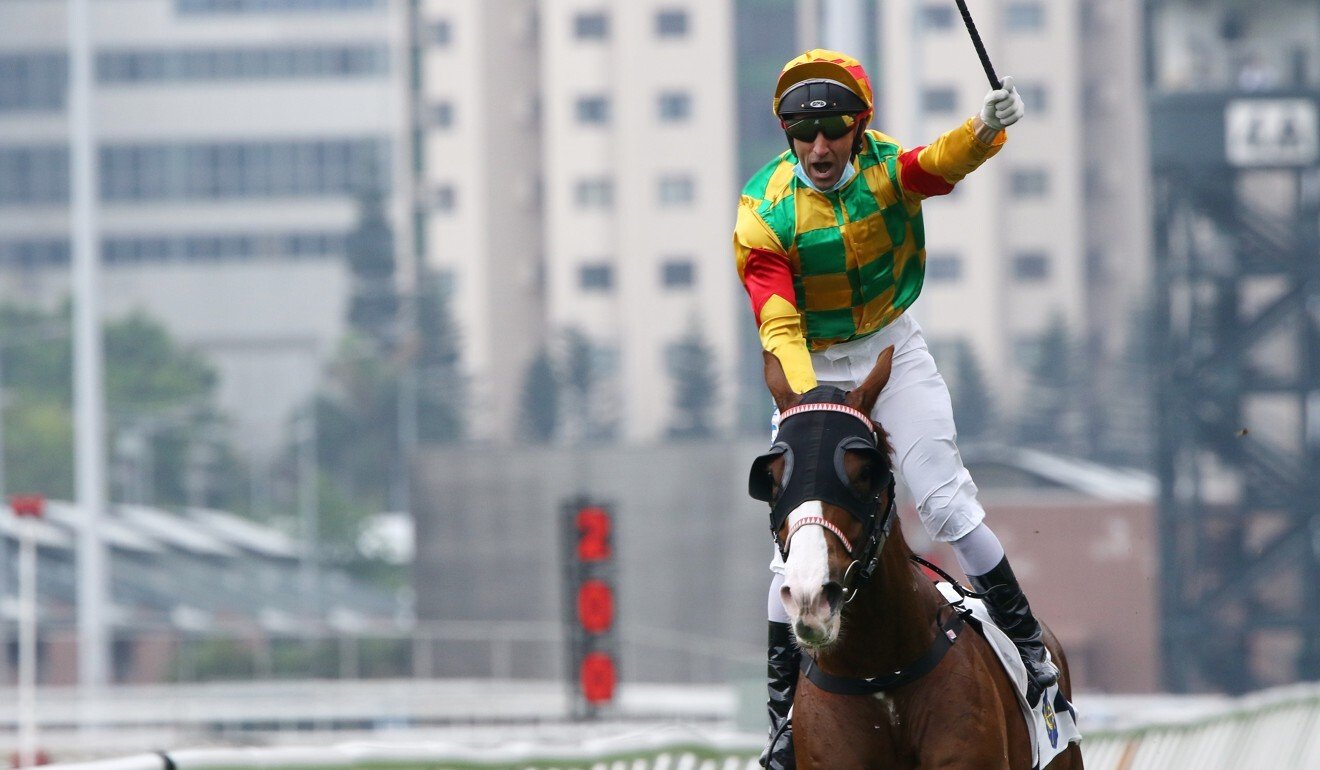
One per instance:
(891, 621)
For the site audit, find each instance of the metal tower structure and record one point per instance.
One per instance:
(1237, 326)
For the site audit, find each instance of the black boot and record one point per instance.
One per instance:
(1011, 612)
(782, 672)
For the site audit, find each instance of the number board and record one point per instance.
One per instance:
(589, 604)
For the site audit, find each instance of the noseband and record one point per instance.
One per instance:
(823, 440)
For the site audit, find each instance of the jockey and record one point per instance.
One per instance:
(831, 249)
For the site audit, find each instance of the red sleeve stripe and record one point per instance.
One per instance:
(765, 275)
(917, 179)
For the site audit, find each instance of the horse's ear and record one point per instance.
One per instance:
(864, 396)
(777, 382)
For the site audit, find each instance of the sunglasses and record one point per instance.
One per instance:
(833, 126)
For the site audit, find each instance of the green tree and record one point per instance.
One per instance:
(540, 399)
(374, 306)
(692, 369)
(150, 380)
(443, 396)
(1051, 413)
(973, 403)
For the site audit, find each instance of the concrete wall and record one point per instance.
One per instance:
(691, 551)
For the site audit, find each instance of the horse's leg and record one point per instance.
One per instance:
(842, 732)
(967, 716)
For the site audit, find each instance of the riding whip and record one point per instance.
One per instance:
(980, 47)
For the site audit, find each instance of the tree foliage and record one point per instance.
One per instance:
(692, 369)
(540, 399)
(973, 402)
(154, 387)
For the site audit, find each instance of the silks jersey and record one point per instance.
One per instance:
(822, 268)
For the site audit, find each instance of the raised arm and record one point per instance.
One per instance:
(934, 169)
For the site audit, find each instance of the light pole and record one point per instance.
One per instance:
(28, 510)
(88, 358)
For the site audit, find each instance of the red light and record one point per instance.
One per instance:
(598, 677)
(593, 526)
(28, 505)
(595, 606)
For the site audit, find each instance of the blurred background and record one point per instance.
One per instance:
(320, 319)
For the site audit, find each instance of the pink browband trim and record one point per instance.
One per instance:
(804, 521)
(827, 407)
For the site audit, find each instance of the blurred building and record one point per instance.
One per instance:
(578, 188)
(199, 594)
(235, 139)
(1054, 229)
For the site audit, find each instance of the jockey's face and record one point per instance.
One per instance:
(823, 158)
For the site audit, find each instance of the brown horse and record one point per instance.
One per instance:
(873, 615)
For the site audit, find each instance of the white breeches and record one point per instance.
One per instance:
(915, 410)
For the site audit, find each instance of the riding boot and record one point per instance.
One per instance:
(1011, 612)
(782, 664)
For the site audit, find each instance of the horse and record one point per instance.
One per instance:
(860, 609)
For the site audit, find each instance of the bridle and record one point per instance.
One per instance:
(832, 418)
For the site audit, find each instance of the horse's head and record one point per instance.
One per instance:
(830, 485)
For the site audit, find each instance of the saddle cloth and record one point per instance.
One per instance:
(1052, 724)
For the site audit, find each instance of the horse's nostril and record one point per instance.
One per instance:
(833, 595)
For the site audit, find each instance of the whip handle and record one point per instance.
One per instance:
(980, 47)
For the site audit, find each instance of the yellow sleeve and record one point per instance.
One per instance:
(958, 152)
(767, 274)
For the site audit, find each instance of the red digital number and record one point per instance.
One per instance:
(594, 529)
(595, 602)
(598, 677)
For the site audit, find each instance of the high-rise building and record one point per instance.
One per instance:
(235, 138)
(579, 190)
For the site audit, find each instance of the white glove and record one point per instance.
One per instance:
(1003, 106)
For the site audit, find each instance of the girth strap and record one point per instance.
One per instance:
(948, 634)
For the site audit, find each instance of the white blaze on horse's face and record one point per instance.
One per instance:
(814, 617)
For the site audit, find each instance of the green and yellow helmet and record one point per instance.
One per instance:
(822, 83)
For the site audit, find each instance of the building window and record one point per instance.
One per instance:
(273, 6)
(596, 277)
(675, 106)
(936, 17)
(440, 33)
(444, 198)
(442, 114)
(594, 25)
(943, 268)
(1024, 16)
(210, 171)
(139, 66)
(594, 110)
(1035, 97)
(671, 23)
(34, 175)
(677, 274)
(33, 82)
(677, 190)
(594, 193)
(939, 99)
(1031, 266)
(1029, 183)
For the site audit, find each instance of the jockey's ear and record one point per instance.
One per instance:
(864, 396)
(777, 382)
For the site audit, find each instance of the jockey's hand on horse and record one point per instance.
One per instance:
(1002, 107)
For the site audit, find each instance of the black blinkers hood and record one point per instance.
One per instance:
(813, 445)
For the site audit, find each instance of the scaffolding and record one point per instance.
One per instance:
(1237, 344)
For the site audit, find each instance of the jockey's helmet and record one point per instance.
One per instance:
(822, 84)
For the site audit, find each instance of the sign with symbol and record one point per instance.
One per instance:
(1271, 132)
